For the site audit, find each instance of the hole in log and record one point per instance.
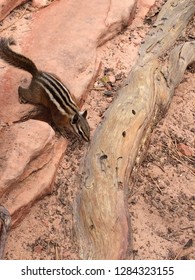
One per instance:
(103, 157)
(92, 227)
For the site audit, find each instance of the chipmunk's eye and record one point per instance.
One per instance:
(75, 118)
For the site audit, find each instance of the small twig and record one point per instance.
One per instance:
(174, 154)
(7, 27)
(187, 245)
(156, 184)
(57, 252)
(156, 163)
(159, 166)
(186, 227)
(100, 89)
(182, 162)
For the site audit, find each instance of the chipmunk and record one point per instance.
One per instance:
(46, 89)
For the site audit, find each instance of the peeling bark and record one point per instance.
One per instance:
(119, 144)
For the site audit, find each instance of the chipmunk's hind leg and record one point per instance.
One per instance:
(33, 94)
(23, 94)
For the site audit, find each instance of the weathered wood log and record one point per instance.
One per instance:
(101, 215)
(5, 220)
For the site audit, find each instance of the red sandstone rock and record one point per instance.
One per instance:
(146, 3)
(39, 3)
(63, 40)
(20, 145)
(66, 46)
(6, 6)
(28, 165)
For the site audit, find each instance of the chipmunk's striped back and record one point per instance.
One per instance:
(48, 90)
(58, 94)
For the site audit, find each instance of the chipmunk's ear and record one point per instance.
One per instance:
(75, 119)
(84, 114)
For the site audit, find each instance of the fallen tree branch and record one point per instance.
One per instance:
(119, 144)
(5, 220)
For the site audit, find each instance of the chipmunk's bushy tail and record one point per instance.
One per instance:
(16, 59)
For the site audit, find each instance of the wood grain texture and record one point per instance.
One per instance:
(101, 216)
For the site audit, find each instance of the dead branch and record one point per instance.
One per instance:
(101, 215)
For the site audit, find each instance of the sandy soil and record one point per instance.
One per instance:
(162, 198)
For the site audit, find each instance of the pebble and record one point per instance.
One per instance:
(184, 149)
